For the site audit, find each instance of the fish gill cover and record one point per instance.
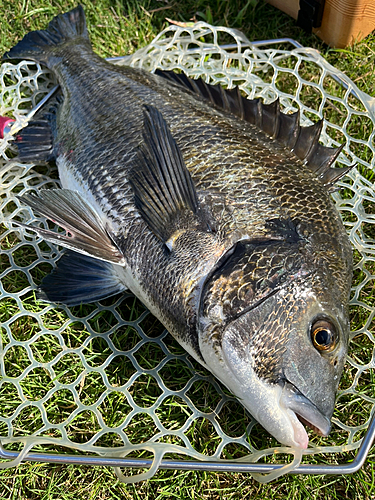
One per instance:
(106, 378)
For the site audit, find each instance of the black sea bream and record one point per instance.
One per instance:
(212, 209)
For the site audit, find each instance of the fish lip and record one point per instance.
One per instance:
(306, 412)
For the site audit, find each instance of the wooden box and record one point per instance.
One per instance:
(343, 23)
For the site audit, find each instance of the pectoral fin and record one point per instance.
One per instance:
(85, 231)
(164, 192)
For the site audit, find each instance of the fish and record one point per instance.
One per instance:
(213, 209)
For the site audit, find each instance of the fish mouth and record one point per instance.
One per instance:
(313, 427)
(306, 412)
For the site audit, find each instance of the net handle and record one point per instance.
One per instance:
(189, 465)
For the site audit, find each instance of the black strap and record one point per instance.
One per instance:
(310, 14)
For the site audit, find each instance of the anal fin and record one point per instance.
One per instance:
(79, 279)
(35, 142)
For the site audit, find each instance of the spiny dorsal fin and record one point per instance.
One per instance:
(332, 175)
(164, 192)
(303, 141)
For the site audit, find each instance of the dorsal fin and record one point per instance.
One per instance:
(164, 192)
(303, 141)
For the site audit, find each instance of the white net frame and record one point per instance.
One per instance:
(41, 367)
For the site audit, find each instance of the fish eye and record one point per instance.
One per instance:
(323, 335)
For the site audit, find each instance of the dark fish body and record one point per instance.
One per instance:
(228, 237)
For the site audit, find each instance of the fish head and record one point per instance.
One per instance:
(277, 337)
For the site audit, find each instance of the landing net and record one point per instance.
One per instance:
(106, 378)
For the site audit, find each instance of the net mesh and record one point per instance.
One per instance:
(106, 378)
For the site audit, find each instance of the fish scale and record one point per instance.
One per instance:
(227, 235)
(202, 141)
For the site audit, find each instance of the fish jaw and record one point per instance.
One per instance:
(263, 400)
(305, 410)
(279, 407)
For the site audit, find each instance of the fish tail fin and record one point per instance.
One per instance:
(37, 45)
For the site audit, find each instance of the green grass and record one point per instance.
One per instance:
(118, 28)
